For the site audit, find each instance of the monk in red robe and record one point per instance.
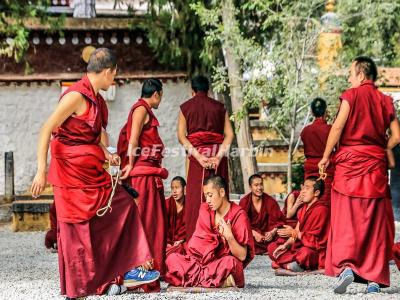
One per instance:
(293, 203)
(361, 239)
(176, 235)
(314, 137)
(303, 248)
(97, 245)
(141, 150)
(205, 131)
(221, 246)
(264, 214)
(50, 240)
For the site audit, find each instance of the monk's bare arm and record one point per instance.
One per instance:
(228, 138)
(139, 117)
(239, 251)
(335, 133)
(394, 139)
(290, 204)
(71, 103)
(181, 132)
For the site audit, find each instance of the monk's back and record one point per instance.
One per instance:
(203, 113)
(314, 137)
(370, 115)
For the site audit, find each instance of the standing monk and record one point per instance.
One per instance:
(264, 214)
(94, 252)
(141, 151)
(360, 242)
(206, 133)
(314, 137)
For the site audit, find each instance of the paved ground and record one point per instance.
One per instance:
(27, 271)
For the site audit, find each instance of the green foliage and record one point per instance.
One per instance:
(176, 37)
(297, 174)
(13, 33)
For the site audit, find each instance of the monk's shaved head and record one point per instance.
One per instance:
(217, 181)
(101, 59)
(367, 66)
(318, 185)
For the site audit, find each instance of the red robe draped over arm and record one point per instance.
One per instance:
(208, 260)
(269, 217)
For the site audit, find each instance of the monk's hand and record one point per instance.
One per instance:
(114, 159)
(286, 231)
(125, 171)
(299, 201)
(323, 163)
(257, 236)
(148, 265)
(214, 162)
(270, 235)
(279, 251)
(38, 184)
(203, 161)
(225, 228)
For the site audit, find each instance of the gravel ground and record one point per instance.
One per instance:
(28, 271)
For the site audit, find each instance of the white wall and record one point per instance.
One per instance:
(23, 109)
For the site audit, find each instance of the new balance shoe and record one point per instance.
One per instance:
(345, 279)
(139, 276)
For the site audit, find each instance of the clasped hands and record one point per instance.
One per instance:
(209, 162)
(225, 229)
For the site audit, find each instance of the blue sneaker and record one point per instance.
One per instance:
(373, 288)
(345, 279)
(139, 276)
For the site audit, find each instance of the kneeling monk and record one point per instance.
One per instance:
(306, 247)
(221, 246)
(176, 233)
(98, 248)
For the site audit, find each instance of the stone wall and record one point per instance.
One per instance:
(24, 108)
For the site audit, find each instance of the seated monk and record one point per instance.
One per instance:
(292, 204)
(176, 233)
(220, 247)
(305, 248)
(264, 214)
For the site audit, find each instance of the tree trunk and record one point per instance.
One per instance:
(243, 135)
(290, 159)
(236, 181)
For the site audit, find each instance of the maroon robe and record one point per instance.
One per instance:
(208, 260)
(146, 177)
(293, 220)
(269, 217)
(176, 226)
(51, 235)
(314, 137)
(361, 215)
(310, 251)
(205, 121)
(92, 251)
